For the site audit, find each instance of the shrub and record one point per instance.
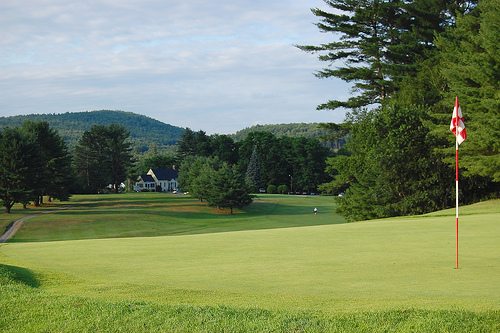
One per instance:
(272, 189)
(282, 189)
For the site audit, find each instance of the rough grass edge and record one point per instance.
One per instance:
(25, 308)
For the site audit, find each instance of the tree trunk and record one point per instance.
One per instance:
(8, 206)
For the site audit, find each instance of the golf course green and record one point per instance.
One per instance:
(273, 266)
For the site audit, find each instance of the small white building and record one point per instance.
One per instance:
(166, 179)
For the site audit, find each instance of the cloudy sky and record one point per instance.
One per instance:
(217, 66)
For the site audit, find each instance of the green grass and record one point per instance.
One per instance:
(272, 267)
(157, 214)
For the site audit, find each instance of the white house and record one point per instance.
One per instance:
(164, 178)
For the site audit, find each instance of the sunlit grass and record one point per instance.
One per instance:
(259, 270)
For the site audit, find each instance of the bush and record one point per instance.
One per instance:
(282, 189)
(272, 189)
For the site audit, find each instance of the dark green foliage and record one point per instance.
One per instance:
(20, 161)
(200, 144)
(282, 189)
(271, 189)
(470, 63)
(217, 182)
(391, 170)
(195, 173)
(157, 162)
(284, 159)
(412, 57)
(252, 175)
(280, 159)
(381, 43)
(55, 177)
(296, 130)
(144, 131)
(119, 154)
(103, 157)
(228, 189)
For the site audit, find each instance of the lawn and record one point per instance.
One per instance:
(160, 214)
(275, 261)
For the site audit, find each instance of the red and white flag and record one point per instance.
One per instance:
(457, 125)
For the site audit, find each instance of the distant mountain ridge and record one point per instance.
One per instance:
(145, 132)
(148, 133)
(293, 130)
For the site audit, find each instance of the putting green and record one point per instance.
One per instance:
(391, 263)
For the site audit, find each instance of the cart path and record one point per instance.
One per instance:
(9, 233)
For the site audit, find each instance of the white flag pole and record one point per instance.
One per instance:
(456, 194)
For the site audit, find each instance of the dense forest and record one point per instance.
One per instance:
(294, 130)
(149, 134)
(145, 133)
(407, 61)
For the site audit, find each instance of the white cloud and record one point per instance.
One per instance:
(219, 66)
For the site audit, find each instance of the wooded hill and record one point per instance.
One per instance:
(145, 132)
(293, 130)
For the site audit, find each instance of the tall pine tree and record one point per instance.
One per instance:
(253, 175)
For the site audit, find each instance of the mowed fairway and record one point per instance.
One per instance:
(384, 264)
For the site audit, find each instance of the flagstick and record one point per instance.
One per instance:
(456, 203)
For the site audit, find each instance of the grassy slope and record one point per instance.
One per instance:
(386, 265)
(158, 214)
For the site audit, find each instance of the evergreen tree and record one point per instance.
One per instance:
(381, 43)
(54, 177)
(103, 157)
(119, 151)
(252, 175)
(91, 160)
(228, 188)
(391, 170)
(19, 161)
(470, 63)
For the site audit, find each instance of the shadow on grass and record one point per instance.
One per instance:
(168, 215)
(18, 275)
(192, 209)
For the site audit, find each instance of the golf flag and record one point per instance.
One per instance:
(457, 125)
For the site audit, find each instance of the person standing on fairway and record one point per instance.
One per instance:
(315, 210)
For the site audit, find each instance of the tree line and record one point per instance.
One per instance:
(225, 173)
(298, 162)
(407, 60)
(35, 162)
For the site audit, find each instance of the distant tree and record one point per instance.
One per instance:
(253, 175)
(193, 144)
(92, 162)
(195, 175)
(273, 157)
(272, 189)
(228, 188)
(158, 162)
(282, 189)
(119, 151)
(224, 147)
(103, 157)
(54, 177)
(19, 160)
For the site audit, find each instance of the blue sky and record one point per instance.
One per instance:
(217, 66)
